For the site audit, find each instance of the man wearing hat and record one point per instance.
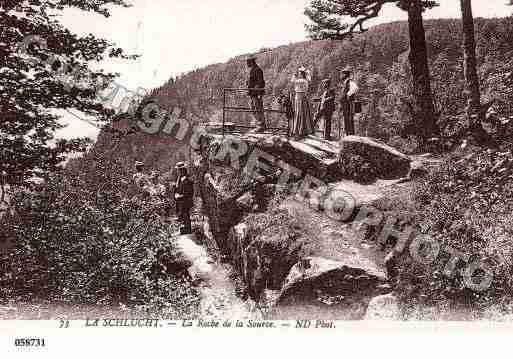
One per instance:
(256, 86)
(139, 178)
(184, 192)
(349, 90)
(326, 107)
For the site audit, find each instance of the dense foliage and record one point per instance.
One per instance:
(83, 237)
(328, 22)
(45, 68)
(81, 234)
(464, 205)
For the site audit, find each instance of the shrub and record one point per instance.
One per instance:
(464, 205)
(88, 242)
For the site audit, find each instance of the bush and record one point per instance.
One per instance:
(87, 242)
(465, 205)
(279, 237)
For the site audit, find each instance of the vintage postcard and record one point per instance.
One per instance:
(337, 168)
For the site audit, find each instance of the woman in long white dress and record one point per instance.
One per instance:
(302, 124)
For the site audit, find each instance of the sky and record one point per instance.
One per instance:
(176, 36)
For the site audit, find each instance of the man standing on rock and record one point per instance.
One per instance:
(256, 89)
(184, 193)
(349, 90)
(326, 108)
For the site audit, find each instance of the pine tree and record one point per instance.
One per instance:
(327, 17)
(44, 67)
(470, 65)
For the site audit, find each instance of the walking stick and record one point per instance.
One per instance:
(339, 128)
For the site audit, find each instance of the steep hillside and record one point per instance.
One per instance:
(380, 60)
(378, 57)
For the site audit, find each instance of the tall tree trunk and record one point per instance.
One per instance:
(470, 65)
(424, 109)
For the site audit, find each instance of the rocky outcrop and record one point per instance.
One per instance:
(311, 155)
(222, 211)
(317, 279)
(263, 261)
(388, 163)
(296, 251)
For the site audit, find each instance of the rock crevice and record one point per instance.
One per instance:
(302, 256)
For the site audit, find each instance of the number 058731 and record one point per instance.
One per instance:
(29, 342)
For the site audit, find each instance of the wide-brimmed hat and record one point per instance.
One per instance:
(139, 164)
(251, 57)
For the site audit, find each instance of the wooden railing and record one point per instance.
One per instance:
(248, 110)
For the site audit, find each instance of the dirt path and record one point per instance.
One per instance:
(332, 239)
(218, 291)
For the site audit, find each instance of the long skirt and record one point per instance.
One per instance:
(302, 124)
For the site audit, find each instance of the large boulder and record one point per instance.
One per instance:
(309, 155)
(387, 161)
(383, 307)
(331, 282)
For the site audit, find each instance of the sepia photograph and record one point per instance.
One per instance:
(273, 165)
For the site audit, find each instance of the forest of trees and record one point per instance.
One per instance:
(71, 236)
(327, 17)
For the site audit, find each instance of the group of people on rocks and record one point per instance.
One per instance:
(304, 121)
(182, 191)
